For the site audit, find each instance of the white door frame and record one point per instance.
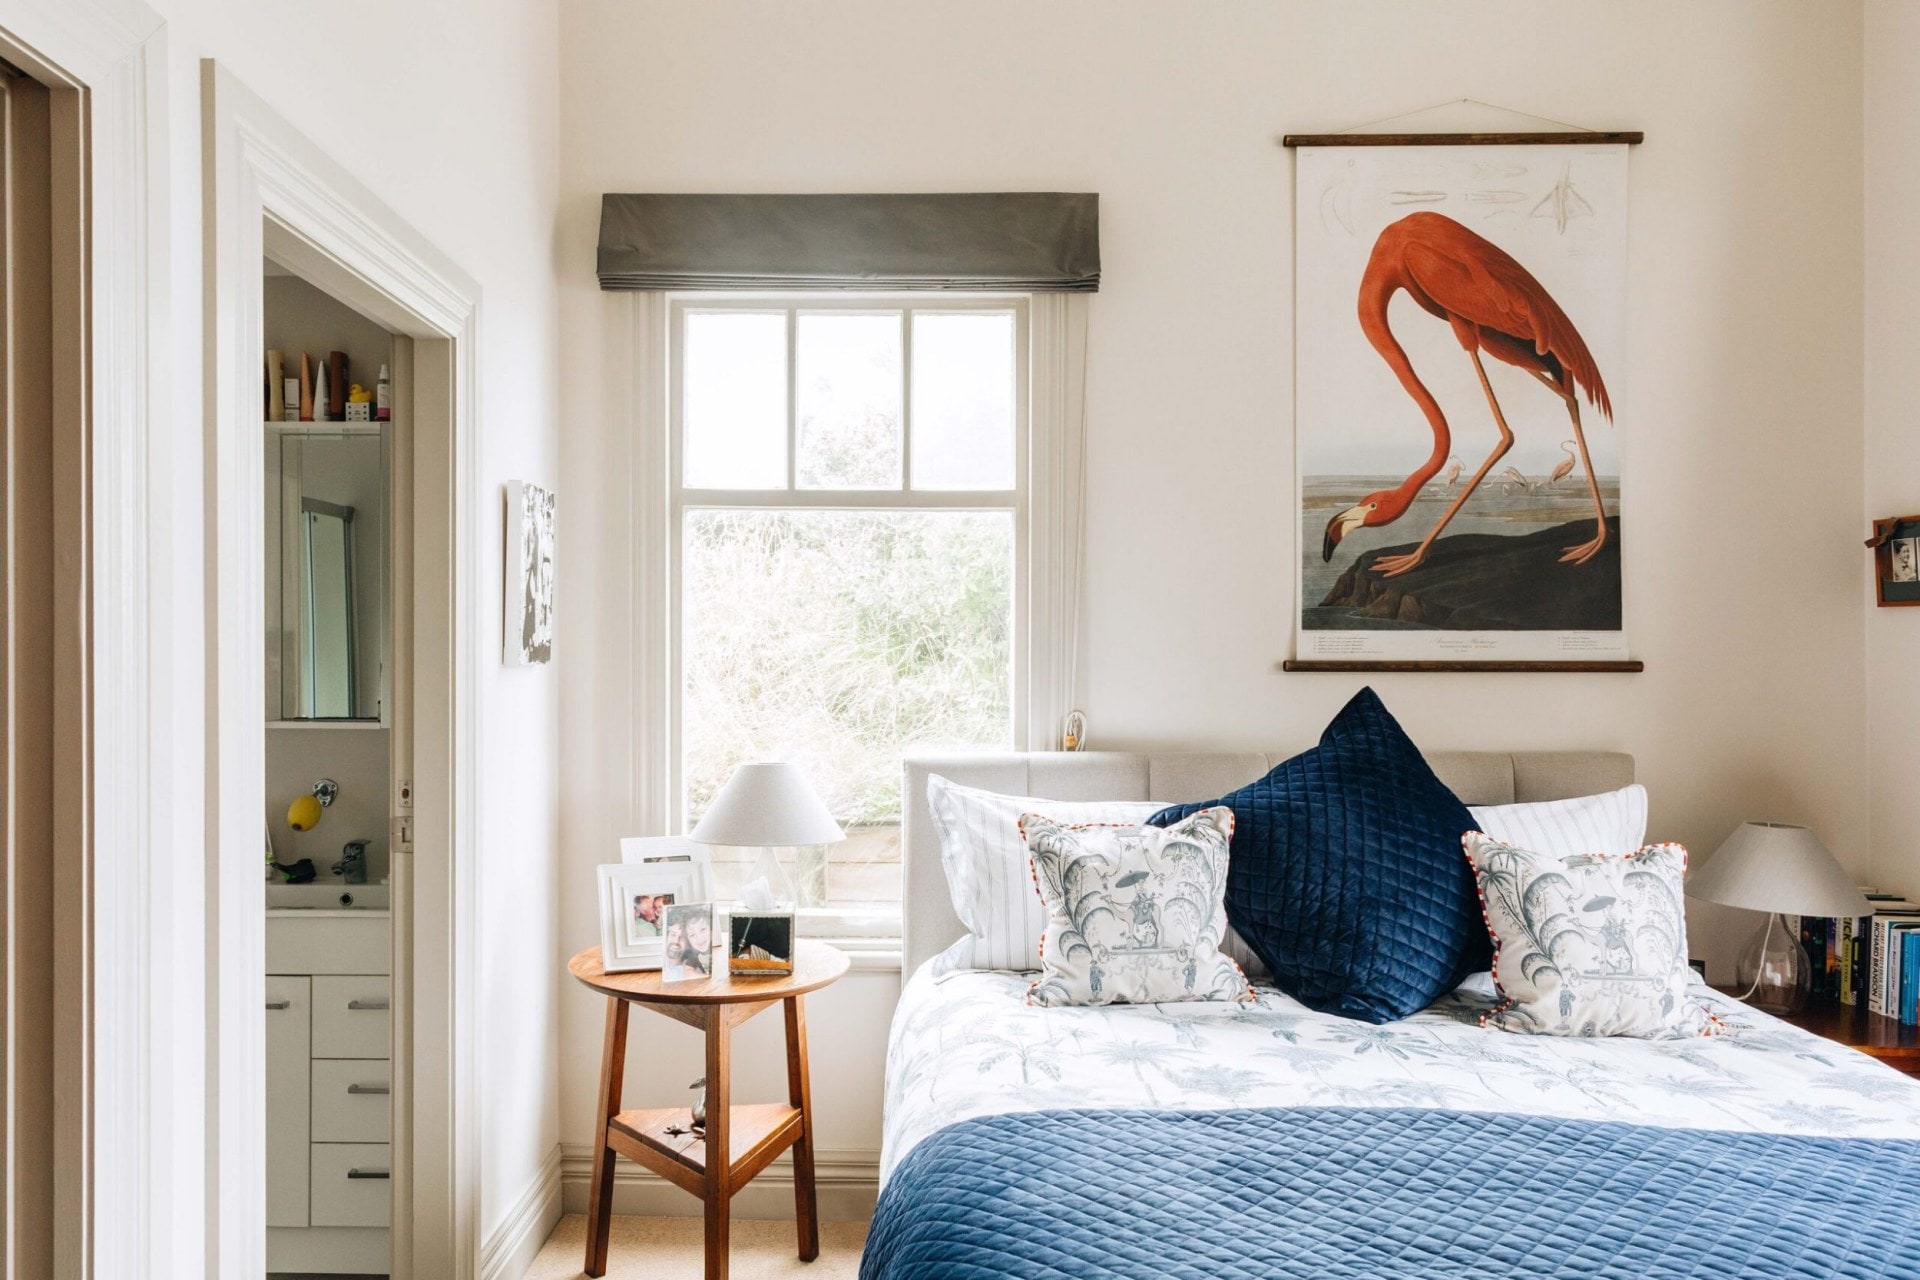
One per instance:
(124, 924)
(327, 227)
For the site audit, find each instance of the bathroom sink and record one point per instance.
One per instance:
(332, 896)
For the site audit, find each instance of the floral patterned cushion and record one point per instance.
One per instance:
(1589, 945)
(1135, 914)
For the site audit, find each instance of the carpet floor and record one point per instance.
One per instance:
(669, 1249)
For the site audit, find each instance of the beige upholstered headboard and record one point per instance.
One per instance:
(929, 925)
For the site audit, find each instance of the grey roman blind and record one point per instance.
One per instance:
(1032, 240)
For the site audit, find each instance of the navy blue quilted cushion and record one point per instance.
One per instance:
(1346, 875)
(1389, 1195)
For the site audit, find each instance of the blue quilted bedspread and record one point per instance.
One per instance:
(1339, 1194)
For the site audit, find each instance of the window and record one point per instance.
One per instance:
(848, 517)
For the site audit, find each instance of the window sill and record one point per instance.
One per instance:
(850, 920)
(869, 955)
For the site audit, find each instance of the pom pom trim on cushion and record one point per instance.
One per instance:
(1711, 1025)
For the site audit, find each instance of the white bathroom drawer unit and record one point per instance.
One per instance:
(329, 1122)
(351, 1187)
(352, 1016)
(350, 1097)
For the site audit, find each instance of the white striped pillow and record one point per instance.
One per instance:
(988, 874)
(1613, 822)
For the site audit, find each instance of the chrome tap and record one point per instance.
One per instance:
(353, 862)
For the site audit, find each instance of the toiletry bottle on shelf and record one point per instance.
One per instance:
(276, 386)
(383, 397)
(337, 385)
(320, 392)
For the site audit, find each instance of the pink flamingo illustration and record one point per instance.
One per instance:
(1493, 305)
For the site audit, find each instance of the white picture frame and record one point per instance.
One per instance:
(669, 851)
(631, 938)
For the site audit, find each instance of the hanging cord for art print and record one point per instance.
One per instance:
(1461, 102)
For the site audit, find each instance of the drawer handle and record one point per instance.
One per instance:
(368, 1173)
(369, 1088)
(367, 1004)
(279, 1004)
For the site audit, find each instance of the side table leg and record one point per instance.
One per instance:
(613, 1062)
(806, 1209)
(719, 1147)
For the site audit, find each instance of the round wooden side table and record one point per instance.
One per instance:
(751, 1135)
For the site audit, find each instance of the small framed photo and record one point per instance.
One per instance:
(634, 899)
(687, 952)
(1906, 560)
(760, 944)
(1896, 561)
(668, 851)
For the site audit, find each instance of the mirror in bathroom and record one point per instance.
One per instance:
(326, 560)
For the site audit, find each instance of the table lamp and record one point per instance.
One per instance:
(767, 806)
(1777, 868)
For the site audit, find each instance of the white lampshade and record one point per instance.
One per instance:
(767, 805)
(1774, 866)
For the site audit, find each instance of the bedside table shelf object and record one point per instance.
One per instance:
(752, 1134)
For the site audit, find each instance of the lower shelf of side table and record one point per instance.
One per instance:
(756, 1133)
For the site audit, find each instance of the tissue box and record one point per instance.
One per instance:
(759, 943)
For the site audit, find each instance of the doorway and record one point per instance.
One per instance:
(273, 196)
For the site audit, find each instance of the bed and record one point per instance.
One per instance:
(1227, 1140)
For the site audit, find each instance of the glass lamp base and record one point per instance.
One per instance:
(1774, 974)
(768, 874)
(810, 875)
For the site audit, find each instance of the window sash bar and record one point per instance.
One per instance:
(906, 399)
(852, 499)
(793, 409)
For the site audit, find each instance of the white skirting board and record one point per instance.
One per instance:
(509, 1250)
(846, 1184)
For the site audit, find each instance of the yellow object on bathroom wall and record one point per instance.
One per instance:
(304, 813)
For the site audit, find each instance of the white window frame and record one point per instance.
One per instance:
(1046, 504)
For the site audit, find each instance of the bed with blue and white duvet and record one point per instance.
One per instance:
(1215, 1137)
(1221, 1141)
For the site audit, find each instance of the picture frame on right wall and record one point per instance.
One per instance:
(1896, 561)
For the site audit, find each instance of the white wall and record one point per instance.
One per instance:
(1892, 187)
(447, 109)
(1742, 386)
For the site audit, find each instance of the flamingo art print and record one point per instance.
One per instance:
(1493, 305)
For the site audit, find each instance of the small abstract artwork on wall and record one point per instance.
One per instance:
(1459, 345)
(528, 624)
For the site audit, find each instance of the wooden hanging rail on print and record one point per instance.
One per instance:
(1628, 666)
(1632, 137)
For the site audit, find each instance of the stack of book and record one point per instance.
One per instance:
(1872, 960)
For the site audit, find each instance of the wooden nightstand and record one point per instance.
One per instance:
(1852, 1025)
(751, 1135)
